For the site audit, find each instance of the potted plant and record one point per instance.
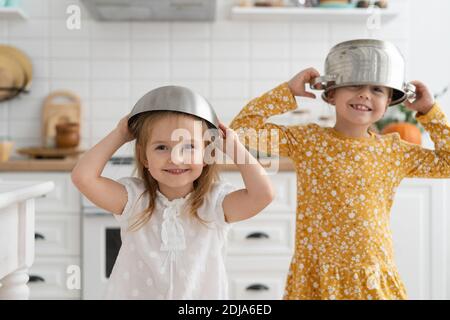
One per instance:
(402, 120)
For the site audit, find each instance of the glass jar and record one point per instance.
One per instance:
(6, 147)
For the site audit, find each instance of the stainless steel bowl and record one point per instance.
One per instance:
(365, 62)
(175, 98)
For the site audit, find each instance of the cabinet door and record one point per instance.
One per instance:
(417, 220)
(266, 234)
(285, 187)
(257, 278)
(55, 278)
(57, 234)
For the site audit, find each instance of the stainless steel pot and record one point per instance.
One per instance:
(365, 62)
(175, 98)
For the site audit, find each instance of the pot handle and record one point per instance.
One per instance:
(410, 91)
(321, 83)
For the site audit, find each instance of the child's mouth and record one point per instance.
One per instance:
(360, 107)
(176, 171)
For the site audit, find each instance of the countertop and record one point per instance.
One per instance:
(66, 165)
(17, 191)
(19, 165)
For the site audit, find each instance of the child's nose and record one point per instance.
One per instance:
(176, 157)
(364, 93)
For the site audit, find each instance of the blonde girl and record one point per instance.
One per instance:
(175, 215)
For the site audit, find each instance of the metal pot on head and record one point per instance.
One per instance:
(365, 62)
(175, 98)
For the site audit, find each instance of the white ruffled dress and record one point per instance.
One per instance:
(174, 255)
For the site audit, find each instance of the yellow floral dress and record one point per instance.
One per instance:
(345, 190)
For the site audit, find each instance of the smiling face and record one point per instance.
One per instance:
(360, 105)
(174, 152)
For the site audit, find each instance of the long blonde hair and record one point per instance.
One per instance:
(141, 129)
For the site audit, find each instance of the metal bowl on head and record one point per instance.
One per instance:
(175, 98)
(365, 62)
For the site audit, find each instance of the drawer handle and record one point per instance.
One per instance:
(257, 287)
(34, 278)
(257, 235)
(38, 236)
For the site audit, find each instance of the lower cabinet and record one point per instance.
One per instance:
(260, 248)
(55, 272)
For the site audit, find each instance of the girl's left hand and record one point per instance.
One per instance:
(229, 136)
(424, 99)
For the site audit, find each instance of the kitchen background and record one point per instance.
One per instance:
(229, 61)
(111, 65)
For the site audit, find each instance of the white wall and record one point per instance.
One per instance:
(430, 62)
(110, 65)
(430, 45)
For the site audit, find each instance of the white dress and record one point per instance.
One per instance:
(174, 255)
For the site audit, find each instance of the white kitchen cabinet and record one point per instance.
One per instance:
(51, 275)
(57, 235)
(418, 221)
(17, 225)
(63, 199)
(260, 248)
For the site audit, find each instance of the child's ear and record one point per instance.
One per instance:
(331, 96)
(141, 156)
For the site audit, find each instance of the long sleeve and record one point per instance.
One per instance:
(425, 163)
(253, 130)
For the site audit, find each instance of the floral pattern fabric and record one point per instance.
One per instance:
(345, 191)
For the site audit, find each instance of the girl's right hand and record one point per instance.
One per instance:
(122, 128)
(298, 82)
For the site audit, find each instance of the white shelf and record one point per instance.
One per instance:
(12, 13)
(309, 14)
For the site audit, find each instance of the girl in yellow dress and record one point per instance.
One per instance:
(347, 177)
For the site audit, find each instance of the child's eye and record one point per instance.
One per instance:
(161, 147)
(378, 89)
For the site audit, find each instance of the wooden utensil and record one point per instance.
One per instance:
(60, 107)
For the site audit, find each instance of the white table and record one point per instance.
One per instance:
(17, 235)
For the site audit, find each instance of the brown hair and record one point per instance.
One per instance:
(141, 129)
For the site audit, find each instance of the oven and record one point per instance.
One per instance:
(101, 236)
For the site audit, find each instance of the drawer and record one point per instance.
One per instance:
(49, 276)
(257, 279)
(263, 234)
(284, 184)
(64, 198)
(57, 235)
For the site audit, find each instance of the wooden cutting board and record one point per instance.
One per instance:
(49, 153)
(61, 106)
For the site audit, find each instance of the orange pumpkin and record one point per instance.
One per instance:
(407, 131)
